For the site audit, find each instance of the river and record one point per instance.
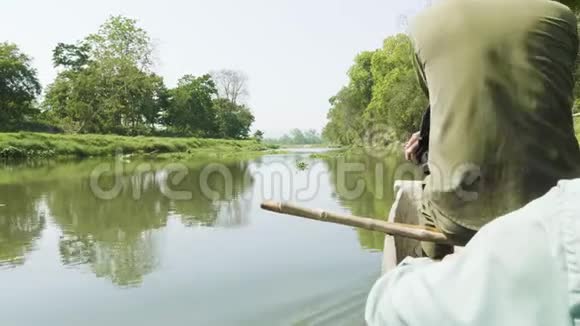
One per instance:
(133, 242)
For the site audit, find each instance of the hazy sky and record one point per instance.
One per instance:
(295, 52)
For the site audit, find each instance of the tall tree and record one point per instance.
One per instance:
(259, 135)
(298, 137)
(191, 107)
(382, 99)
(105, 85)
(398, 101)
(71, 56)
(122, 39)
(19, 86)
(231, 84)
(346, 124)
(233, 120)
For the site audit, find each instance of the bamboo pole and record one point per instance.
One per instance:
(397, 229)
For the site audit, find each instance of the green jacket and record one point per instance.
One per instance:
(499, 76)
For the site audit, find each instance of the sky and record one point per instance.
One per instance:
(295, 52)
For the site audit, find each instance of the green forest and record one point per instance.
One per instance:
(383, 97)
(297, 137)
(382, 93)
(105, 85)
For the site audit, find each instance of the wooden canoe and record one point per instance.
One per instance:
(405, 210)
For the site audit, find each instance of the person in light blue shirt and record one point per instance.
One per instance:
(521, 269)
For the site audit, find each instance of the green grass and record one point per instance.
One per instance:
(39, 145)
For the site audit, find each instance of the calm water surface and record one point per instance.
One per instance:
(121, 242)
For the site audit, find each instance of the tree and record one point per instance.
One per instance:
(71, 56)
(346, 124)
(106, 97)
(398, 101)
(231, 84)
(259, 135)
(121, 39)
(105, 85)
(191, 107)
(233, 120)
(311, 136)
(19, 87)
(299, 137)
(382, 96)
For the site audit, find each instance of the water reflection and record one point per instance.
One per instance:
(376, 198)
(204, 250)
(115, 237)
(112, 236)
(220, 204)
(21, 223)
(118, 239)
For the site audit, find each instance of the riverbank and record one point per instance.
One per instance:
(321, 145)
(26, 145)
(392, 149)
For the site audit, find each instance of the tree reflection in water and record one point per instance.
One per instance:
(21, 223)
(377, 197)
(115, 238)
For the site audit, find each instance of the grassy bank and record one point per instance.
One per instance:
(320, 145)
(25, 145)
